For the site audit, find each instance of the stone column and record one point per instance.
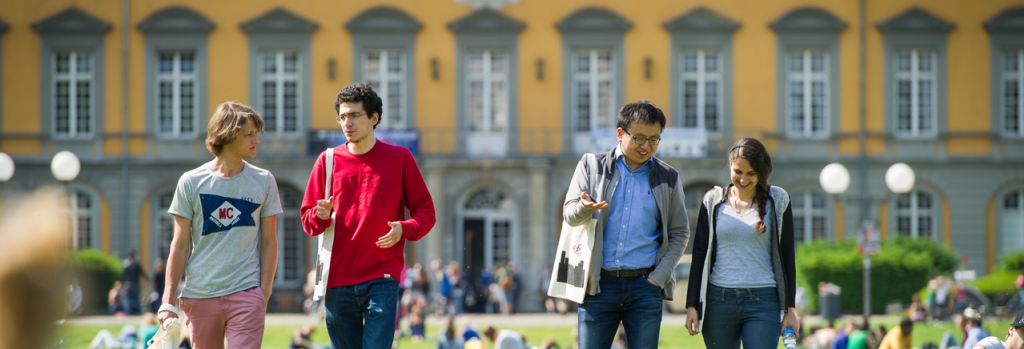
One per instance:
(539, 230)
(433, 243)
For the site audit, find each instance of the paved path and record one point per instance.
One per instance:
(517, 320)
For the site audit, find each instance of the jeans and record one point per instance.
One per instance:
(634, 301)
(362, 315)
(750, 315)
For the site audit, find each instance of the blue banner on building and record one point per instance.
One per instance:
(320, 140)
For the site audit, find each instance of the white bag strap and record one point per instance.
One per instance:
(329, 173)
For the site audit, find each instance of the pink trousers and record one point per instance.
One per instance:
(239, 317)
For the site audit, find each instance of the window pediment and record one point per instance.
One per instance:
(915, 20)
(1008, 21)
(486, 21)
(279, 20)
(176, 20)
(701, 19)
(591, 19)
(71, 21)
(808, 19)
(383, 19)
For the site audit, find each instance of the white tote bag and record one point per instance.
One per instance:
(326, 239)
(167, 336)
(572, 259)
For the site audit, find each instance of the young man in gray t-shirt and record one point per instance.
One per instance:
(225, 237)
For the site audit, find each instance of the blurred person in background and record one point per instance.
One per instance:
(159, 279)
(73, 300)
(972, 326)
(899, 337)
(131, 274)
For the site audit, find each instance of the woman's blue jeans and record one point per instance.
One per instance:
(747, 315)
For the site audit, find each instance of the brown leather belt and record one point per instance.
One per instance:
(627, 273)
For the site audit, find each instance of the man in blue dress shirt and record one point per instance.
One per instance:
(640, 235)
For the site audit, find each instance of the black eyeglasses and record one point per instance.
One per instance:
(642, 140)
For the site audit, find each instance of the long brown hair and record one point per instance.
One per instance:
(754, 152)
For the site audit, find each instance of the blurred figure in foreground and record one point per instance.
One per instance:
(33, 280)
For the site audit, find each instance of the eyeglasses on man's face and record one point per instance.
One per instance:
(642, 140)
(341, 118)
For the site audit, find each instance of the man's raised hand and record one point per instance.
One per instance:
(589, 203)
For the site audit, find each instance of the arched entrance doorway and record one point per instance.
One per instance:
(487, 237)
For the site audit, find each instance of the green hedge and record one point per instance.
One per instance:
(900, 269)
(1002, 279)
(96, 273)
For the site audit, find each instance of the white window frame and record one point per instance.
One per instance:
(290, 212)
(1018, 77)
(176, 77)
(279, 77)
(487, 77)
(594, 77)
(164, 224)
(73, 77)
(384, 77)
(807, 212)
(1011, 223)
(807, 77)
(701, 76)
(914, 212)
(916, 77)
(91, 212)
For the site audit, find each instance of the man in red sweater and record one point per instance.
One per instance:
(373, 184)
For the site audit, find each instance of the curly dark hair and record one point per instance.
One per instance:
(363, 93)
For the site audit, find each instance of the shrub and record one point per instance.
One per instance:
(901, 268)
(1013, 262)
(1001, 280)
(96, 273)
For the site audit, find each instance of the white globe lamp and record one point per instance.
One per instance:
(6, 167)
(899, 178)
(65, 166)
(834, 178)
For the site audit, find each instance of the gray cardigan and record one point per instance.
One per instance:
(705, 249)
(668, 194)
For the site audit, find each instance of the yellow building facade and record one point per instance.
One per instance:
(500, 98)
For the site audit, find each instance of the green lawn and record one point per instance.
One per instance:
(79, 336)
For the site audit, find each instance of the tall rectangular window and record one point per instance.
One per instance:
(279, 90)
(83, 215)
(166, 224)
(810, 216)
(807, 91)
(291, 236)
(488, 81)
(915, 215)
(1011, 223)
(385, 72)
(1013, 99)
(702, 89)
(73, 104)
(915, 91)
(176, 88)
(593, 95)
